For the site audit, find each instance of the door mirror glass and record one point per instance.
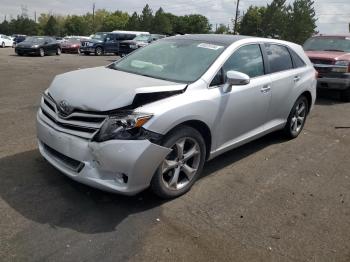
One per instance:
(235, 78)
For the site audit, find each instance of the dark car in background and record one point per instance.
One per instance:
(38, 45)
(106, 42)
(330, 55)
(71, 45)
(18, 39)
(126, 47)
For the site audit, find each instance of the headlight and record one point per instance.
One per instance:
(133, 46)
(342, 63)
(344, 66)
(123, 126)
(35, 46)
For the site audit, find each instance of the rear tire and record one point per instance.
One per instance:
(182, 166)
(58, 51)
(345, 95)
(297, 118)
(98, 51)
(3, 44)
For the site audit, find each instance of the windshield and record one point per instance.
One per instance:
(328, 44)
(36, 40)
(99, 36)
(176, 60)
(142, 38)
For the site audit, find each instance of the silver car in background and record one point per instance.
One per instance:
(154, 117)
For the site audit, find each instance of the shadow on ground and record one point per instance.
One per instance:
(40, 193)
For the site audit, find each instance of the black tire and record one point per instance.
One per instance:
(159, 186)
(345, 95)
(41, 52)
(98, 51)
(3, 45)
(20, 54)
(78, 51)
(290, 131)
(58, 51)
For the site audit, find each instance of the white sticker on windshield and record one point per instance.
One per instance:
(210, 46)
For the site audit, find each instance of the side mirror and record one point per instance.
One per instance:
(235, 78)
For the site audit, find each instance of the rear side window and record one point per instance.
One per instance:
(297, 61)
(278, 57)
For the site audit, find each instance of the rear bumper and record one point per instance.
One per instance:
(69, 50)
(120, 166)
(334, 83)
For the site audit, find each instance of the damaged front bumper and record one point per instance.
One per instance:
(121, 166)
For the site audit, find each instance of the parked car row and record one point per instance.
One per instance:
(117, 42)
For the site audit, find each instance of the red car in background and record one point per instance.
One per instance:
(330, 55)
(71, 45)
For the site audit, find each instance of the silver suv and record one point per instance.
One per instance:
(154, 117)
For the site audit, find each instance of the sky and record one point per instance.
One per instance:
(333, 15)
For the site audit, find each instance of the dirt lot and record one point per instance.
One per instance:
(271, 200)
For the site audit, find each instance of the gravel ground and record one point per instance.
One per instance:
(270, 200)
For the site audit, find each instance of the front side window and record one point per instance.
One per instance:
(179, 60)
(278, 57)
(247, 59)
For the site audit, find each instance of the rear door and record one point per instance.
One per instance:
(283, 79)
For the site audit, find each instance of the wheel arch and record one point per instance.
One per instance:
(202, 128)
(308, 96)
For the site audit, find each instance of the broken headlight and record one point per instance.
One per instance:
(124, 126)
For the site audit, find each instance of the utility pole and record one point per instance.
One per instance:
(35, 16)
(236, 18)
(93, 17)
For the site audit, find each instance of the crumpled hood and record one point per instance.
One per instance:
(104, 89)
(329, 55)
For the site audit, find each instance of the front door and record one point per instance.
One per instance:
(244, 109)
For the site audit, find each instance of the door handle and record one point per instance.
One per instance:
(296, 78)
(265, 89)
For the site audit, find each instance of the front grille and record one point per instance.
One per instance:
(70, 163)
(78, 123)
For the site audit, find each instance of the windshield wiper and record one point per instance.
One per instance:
(334, 50)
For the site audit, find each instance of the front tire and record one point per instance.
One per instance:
(3, 44)
(182, 166)
(297, 118)
(98, 51)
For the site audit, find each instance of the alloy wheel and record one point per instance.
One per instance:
(181, 165)
(298, 119)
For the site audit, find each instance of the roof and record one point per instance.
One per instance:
(215, 38)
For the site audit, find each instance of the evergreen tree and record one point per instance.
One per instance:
(251, 23)
(161, 23)
(134, 22)
(302, 21)
(274, 22)
(51, 27)
(146, 19)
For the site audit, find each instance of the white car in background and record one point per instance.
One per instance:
(5, 41)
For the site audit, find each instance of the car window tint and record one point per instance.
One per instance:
(297, 61)
(278, 57)
(247, 59)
